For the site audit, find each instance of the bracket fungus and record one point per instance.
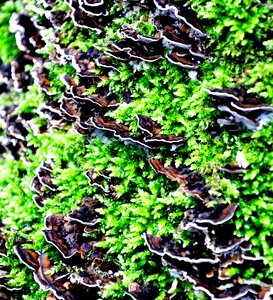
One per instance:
(190, 182)
(79, 278)
(3, 249)
(42, 184)
(102, 180)
(139, 292)
(208, 260)
(67, 236)
(232, 169)
(86, 214)
(16, 128)
(237, 107)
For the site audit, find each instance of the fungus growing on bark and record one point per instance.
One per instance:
(16, 129)
(42, 184)
(26, 34)
(86, 214)
(85, 18)
(14, 75)
(29, 257)
(238, 107)
(5, 280)
(190, 182)
(67, 236)
(41, 75)
(101, 180)
(149, 52)
(80, 278)
(208, 261)
(232, 169)
(140, 292)
(3, 249)
(59, 284)
(150, 127)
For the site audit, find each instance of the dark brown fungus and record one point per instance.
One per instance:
(100, 180)
(69, 106)
(177, 251)
(94, 8)
(99, 273)
(57, 18)
(132, 34)
(121, 131)
(14, 75)
(67, 236)
(26, 34)
(155, 244)
(105, 61)
(82, 129)
(221, 214)
(44, 173)
(147, 125)
(208, 260)
(232, 93)
(5, 294)
(15, 129)
(177, 35)
(233, 169)
(85, 19)
(103, 98)
(61, 283)
(190, 182)
(84, 62)
(21, 79)
(3, 249)
(5, 280)
(79, 108)
(136, 46)
(185, 14)
(41, 76)
(58, 284)
(183, 59)
(29, 257)
(86, 214)
(42, 183)
(109, 124)
(238, 107)
(140, 292)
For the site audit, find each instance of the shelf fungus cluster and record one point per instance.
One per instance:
(16, 75)
(7, 288)
(79, 277)
(16, 128)
(237, 107)
(103, 180)
(176, 29)
(216, 259)
(142, 292)
(150, 137)
(42, 184)
(190, 182)
(7, 292)
(3, 249)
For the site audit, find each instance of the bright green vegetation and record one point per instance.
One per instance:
(240, 47)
